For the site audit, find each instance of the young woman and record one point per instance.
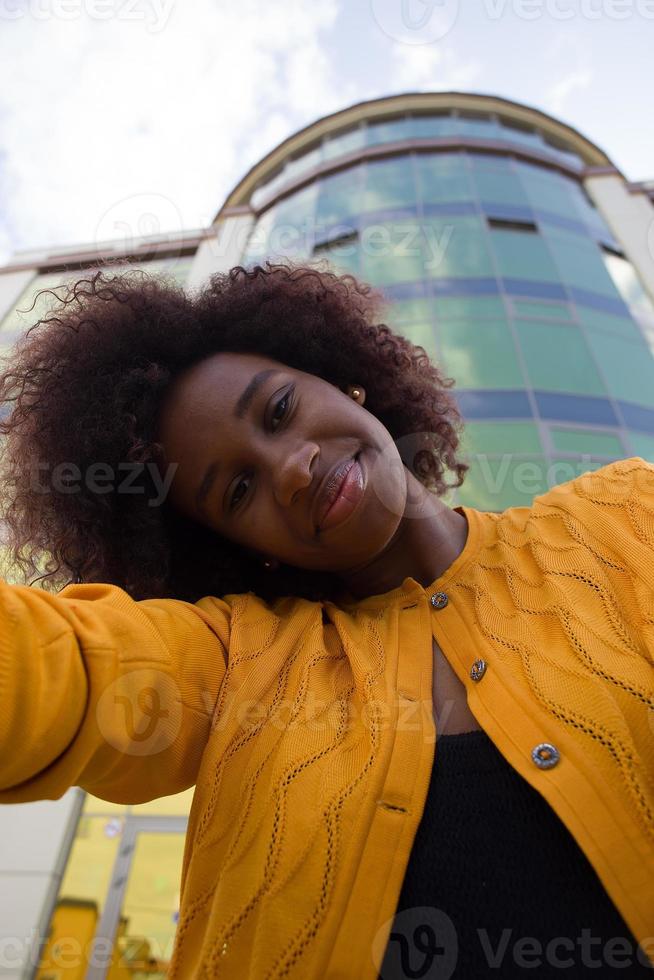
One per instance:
(421, 737)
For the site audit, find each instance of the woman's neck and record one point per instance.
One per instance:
(429, 538)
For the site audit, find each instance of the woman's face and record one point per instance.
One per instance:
(255, 443)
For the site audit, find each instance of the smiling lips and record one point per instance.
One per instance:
(340, 497)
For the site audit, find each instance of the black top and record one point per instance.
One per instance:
(496, 885)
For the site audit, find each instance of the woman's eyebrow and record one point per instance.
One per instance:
(245, 400)
(241, 407)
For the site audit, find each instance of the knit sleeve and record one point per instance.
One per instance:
(610, 511)
(106, 693)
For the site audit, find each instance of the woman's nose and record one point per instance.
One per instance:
(293, 471)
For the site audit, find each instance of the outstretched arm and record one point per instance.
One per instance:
(102, 692)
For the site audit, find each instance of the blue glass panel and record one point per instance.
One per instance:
(347, 142)
(339, 197)
(389, 131)
(550, 218)
(406, 290)
(493, 404)
(442, 287)
(443, 177)
(449, 207)
(529, 287)
(463, 287)
(575, 408)
(481, 162)
(431, 127)
(388, 214)
(478, 127)
(388, 184)
(514, 133)
(597, 302)
(637, 417)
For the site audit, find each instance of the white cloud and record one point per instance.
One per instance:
(430, 67)
(569, 60)
(103, 111)
(558, 94)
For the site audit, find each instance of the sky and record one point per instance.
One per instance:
(121, 118)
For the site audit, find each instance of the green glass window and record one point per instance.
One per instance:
(547, 190)
(562, 469)
(346, 142)
(515, 132)
(410, 311)
(580, 263)
(489, 161)
(587, 441)
(642, 445)
(304, 163)
(501, 437)
(496, 483)
(495, 185)
(291, 231)
(627, 367)
(607, 323)
(388, 184)
(338, 198)
(388, 131)
(522, 255)
(558, 359)
(469, 307)
(456, 247)
(478, 126)
(480, 355)
(393, 252)
(341, 259)
(542, 311)
(443, 177)
(422, 335)
(431, 126)
(298, 207)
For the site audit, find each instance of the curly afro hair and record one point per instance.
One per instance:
(85, 385)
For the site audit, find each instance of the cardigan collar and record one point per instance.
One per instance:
(480, 527)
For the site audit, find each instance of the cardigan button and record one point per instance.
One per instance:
(478, 670)
(545, 755)
(439, 600)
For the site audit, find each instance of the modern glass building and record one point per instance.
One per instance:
(511, 248)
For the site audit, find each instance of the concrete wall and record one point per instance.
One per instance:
(222, 251)
(12, 285)
(631, 219)
(35, 840)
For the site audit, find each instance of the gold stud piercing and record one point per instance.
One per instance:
(357, 393)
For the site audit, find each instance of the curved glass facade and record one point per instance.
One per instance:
(504, 271)
(489, 127)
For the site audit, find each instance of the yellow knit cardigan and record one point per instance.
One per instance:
(307, 727)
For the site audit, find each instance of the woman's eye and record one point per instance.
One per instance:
(235, 498)
(283, 405)
(280, 410)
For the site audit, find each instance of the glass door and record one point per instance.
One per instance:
(134, 937)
